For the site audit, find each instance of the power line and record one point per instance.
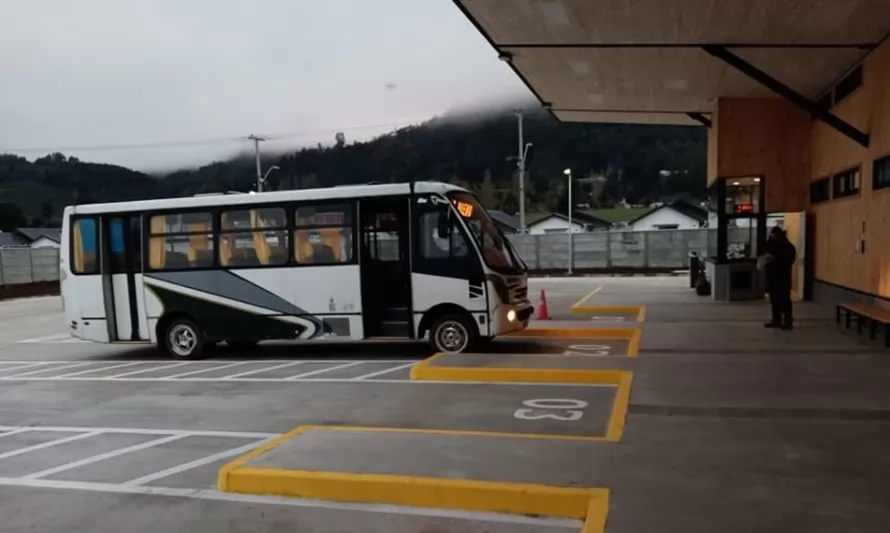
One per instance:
(192, 142)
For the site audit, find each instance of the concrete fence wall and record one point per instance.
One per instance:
(27, 265)
(621, 250)
(605, 250)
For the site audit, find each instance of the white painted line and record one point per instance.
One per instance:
(173, 470)
(264, 369)
(322, 380)
(232, 497)
(143, 431)
(323, 370)
(21, 366)
(48, 444)
(63, 367)
(193, 372)
(81, 372)
(104, 456)
(162, 367)
(213, 362)
(46, 338)
(13, 432)
(380, 373)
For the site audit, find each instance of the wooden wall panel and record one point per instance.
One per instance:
(839, 223)
(793, 224)
(769, 137)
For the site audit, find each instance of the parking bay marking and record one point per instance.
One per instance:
(55, 370)
(138, 485)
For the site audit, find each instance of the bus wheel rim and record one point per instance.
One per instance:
(183, 339)
(452, 336)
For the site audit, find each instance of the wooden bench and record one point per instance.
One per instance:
(865, 314)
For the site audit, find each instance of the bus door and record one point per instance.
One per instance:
(385, 267)
(446, 267)
(121, 276)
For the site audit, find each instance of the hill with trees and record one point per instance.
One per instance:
(610, 163)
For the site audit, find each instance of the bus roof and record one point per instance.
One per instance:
(222, 199)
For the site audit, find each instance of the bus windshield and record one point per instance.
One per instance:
(494, 246)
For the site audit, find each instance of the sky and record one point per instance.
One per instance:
(189, 79)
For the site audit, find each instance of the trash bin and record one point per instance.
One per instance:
(695, 267)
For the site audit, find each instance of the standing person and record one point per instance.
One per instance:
(780, 256)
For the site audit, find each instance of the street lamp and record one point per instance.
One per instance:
(522, 153)
(265, 176)
(568, 173)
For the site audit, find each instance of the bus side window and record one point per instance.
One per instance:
(180, 241)
(436, 246)
(84, 239)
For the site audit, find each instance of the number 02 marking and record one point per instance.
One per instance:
(567, 410)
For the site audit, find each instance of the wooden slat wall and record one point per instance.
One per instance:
(769, 137)
(839, 223)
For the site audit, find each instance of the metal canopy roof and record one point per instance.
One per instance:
(642, 61)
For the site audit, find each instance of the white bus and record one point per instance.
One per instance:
(401, 260)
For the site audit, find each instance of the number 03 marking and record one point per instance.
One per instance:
(590, 350)
(567, 410)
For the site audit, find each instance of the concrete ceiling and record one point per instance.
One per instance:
(641, 61)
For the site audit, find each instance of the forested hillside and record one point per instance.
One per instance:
(611, 163)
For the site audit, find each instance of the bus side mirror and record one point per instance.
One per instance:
(443, 228)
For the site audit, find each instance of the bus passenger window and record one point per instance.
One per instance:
(84, 238)
(180, 241)
(253, 237)
(323, 235)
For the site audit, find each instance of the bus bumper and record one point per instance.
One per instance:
(511, 318)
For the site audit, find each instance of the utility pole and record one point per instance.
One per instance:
(259, 173)
(568, 173)
(520, 162)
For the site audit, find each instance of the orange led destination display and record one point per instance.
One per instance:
(465, 209)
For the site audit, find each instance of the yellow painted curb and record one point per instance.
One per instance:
(618, 417)
(588, 504)
(577, 333)
(424, 371)
(638, 311)
(633, 347)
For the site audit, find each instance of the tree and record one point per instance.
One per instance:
(472, 151)
(11, 217)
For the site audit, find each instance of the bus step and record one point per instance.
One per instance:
(392, 328)
(395, 314)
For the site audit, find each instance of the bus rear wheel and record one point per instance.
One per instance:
(183, 339)
(453, 334)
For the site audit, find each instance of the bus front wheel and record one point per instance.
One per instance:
(183, 339)
(453, 334)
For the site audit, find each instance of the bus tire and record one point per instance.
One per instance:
(453, 333)
(183, 339)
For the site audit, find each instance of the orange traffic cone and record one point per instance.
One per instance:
(543, 313)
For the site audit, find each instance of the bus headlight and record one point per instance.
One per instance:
(511, 315)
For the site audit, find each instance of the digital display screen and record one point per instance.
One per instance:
(465, 209)
(744, 208)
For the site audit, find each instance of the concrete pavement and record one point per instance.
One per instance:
(727, 426)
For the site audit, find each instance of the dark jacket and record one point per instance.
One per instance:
(778, 271)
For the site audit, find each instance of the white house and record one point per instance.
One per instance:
(675, 215)
(559, 223)
(32, 238)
